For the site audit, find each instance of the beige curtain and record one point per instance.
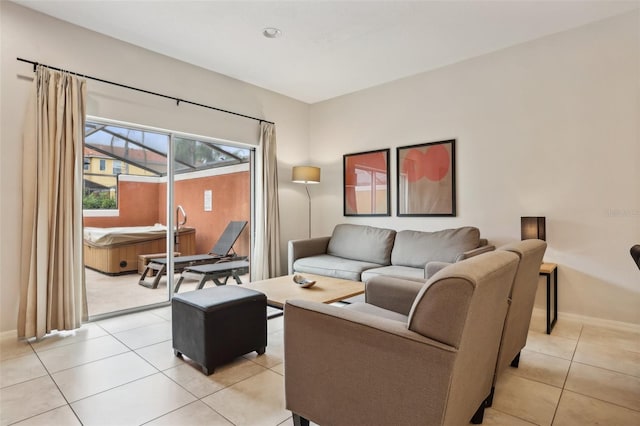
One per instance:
(52, 294)
(266, 261)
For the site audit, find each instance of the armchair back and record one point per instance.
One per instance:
(435, 369)
(522, 297)
(465, 306)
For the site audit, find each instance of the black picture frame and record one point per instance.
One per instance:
(426, 179)
(367, 183)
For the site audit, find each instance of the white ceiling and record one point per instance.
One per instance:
(327, 48)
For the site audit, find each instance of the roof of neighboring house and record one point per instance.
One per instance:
(91, 185)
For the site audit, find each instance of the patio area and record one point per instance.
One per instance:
(106, 294)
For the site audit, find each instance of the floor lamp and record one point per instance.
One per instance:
(307, 175)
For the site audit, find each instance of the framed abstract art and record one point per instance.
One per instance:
(427, 179)
(367, 183)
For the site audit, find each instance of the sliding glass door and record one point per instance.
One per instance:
(149, 193)
(124, 170)
(211, 189)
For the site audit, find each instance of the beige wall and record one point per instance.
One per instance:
(34, 36)
(546, 128)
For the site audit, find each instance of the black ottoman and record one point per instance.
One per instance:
(215, 325)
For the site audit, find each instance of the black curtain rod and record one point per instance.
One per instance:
(178, 100)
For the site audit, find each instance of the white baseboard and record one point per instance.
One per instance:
(601, 322)
(9, 334)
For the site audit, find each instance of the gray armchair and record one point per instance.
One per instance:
(521, 300)
(407, 359)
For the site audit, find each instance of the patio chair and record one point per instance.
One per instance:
(222, 250)
(214, 271)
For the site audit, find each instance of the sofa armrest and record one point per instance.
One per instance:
(475, 252)
(333, 355)
(298, 249)
(392, 293)
(433, 267)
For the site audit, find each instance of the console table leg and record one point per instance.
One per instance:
(555, 299)
(552, 293)
(548, 303)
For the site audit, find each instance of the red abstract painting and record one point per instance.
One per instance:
(426, 179)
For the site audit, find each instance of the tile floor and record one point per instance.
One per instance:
(121, 371)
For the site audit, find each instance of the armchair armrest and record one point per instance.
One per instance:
(475, 252)
(334, 356)
(304, 248)
(392, 293)
(432, 268)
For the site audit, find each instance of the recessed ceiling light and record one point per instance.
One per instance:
(271, 32)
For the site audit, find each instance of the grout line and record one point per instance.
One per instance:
(206, 396)
(180, 408)
(57, 346)
(606, 369)
(113, 333)
(513, 415)
(534, 379)
(57, 387)
(592, 366)
(45, 412)
(573, 354)
(114, 387)
(581, 335)
(601, 400)
(545, 353)
(219, 413)
(110, 334)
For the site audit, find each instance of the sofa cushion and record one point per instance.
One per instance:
(417, 248)
(364, 243)
(405, 272)
(333, 266)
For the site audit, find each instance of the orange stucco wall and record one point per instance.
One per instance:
(230, 201)
(137, 206)
(143, 204)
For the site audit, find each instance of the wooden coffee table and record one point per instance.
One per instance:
(325, 290)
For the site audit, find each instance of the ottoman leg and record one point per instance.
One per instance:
(261, 350)
(177, 353)
(207, 371)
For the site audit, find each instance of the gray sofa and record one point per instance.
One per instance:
(358, 252)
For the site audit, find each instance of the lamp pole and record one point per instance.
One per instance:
(306, 175)
(309, 196)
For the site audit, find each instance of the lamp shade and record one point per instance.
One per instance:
(533, 227)
(305, 174)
